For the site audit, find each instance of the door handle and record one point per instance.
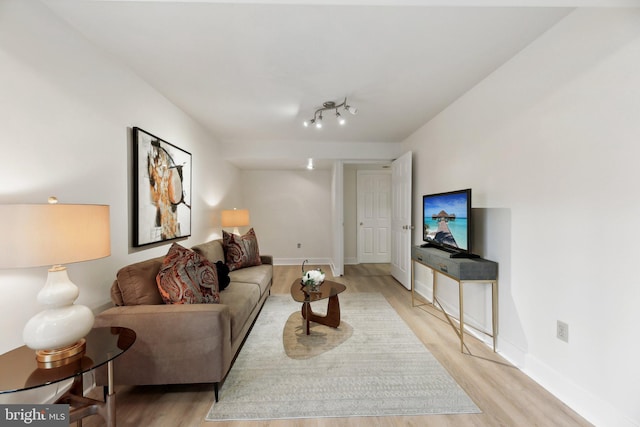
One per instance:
(360, 223)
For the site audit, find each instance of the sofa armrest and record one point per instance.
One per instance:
(266, 259)
(179, 343)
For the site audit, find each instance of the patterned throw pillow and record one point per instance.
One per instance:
(208, 274)
(241, 251)
(187, 278)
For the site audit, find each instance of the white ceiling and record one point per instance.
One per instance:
(253, 71)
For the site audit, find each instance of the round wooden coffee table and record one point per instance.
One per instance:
(327, 289)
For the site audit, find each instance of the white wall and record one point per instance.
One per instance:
(65, 114)
(549, 145)
(290, 207)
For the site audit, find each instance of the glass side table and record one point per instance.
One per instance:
(19, 371)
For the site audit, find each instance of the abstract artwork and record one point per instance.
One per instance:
(161, 190)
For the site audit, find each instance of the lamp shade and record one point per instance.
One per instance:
(49, 234)
(235, 218)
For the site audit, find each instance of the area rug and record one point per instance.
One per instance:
(372, 365)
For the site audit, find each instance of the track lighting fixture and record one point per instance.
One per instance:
(330, 105)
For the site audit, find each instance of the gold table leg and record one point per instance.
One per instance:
(81, 407)
(459, 330)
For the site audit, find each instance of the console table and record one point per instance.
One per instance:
(462, 270)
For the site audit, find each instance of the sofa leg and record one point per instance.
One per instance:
(215, 390)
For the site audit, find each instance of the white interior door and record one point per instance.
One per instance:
(374, 216)
(401, 234)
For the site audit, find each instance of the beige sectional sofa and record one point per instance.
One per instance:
(183, 343)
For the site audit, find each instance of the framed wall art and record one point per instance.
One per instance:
(161, 190)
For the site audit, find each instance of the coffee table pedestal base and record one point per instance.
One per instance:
(332, 318)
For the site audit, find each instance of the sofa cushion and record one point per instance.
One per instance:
(212, 250)
(187, 278)
(137, 283)
(259, 274)
(241, 251)
(241, 298)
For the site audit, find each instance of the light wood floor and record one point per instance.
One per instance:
(505, 395)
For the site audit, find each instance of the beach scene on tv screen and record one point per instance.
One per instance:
(445, 219)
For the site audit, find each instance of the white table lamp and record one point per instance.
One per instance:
(55, 234)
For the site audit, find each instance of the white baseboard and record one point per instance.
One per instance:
(511, 353)
(423, 290)
(592, 408)
(335, 271)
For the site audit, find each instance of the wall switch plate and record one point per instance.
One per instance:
(562, 332)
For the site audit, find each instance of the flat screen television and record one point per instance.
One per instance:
(447, 222)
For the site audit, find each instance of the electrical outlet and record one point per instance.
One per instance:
(299, 245)
(562, 332)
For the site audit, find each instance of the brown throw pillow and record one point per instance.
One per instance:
(187, 278)
(241, 251)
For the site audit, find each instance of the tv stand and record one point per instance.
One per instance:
(452, 252)
(463, 255)
(462, 270)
